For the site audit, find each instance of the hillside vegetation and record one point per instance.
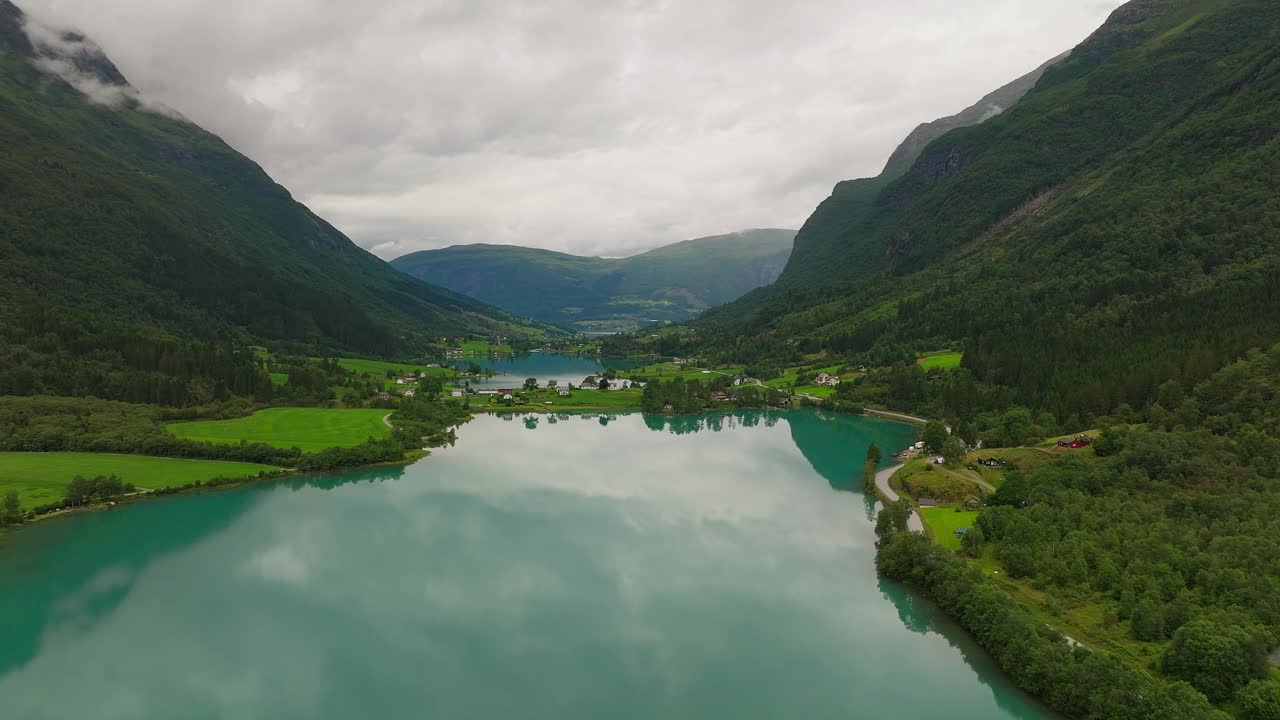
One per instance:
(591, 294)
(127, 233)
(1114, 230)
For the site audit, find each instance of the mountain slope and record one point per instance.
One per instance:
(131, 218)
(675, 282)
(820, 241)
(1117, 229)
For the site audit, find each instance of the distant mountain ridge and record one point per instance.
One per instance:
(591, 294)
(119, 211)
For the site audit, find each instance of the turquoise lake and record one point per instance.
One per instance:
(511, 371)
(574, 566)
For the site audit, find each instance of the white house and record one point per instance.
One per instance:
(508, 396)
(455, 393)
(827, 379)
(408, 393)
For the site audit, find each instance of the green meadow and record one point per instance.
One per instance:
(310, 429)
(941, 360)
(944, 521)
(379, 368)
(41, 478)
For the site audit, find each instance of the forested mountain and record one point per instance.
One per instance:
(1116, 229)
(126, 231)
(675, 282)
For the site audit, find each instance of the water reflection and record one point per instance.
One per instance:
(921, 616)
(631, 572)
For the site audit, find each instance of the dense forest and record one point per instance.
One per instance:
(1169, 534)
(1109, 233)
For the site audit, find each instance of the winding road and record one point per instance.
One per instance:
(914, 523)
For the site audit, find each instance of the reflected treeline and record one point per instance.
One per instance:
(712, 422)
(339, 478)
(919, 615)
(46, 581)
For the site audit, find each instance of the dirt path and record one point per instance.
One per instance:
(914, 524)
(386, 420)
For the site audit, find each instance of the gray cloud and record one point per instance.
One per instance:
(593, 126)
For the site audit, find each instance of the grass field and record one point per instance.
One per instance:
(41, 478)
(310, 429)
(921, 478)
(821, 391)
(944, 521)
(1025, 459)
(378, 368)
(941, 360)
(670, 371)
(279, 379)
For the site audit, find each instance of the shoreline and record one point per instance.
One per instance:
(150, 494)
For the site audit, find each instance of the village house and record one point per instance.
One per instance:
(455, 393)
(488, 393)
(565, 393)
(408, 393)
(384, 396)
(927, 502)
(827, 379)
(508, 396)
(719, 396)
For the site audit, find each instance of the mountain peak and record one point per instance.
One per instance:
(12, 36)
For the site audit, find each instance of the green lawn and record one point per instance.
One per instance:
(783, 382)
(310, 429)
(475, 347)
(41, 478)
(279, 378)
(821, 391)
(941, 360)
(944, 521)
(378, 368)
(670, 371)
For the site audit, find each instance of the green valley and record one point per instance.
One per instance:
(598, 295)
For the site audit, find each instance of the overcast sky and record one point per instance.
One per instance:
(590, 126)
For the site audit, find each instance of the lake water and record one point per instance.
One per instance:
(512, 371)
(718, 566)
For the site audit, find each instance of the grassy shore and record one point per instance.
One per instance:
(42, 478)
(310, 429)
